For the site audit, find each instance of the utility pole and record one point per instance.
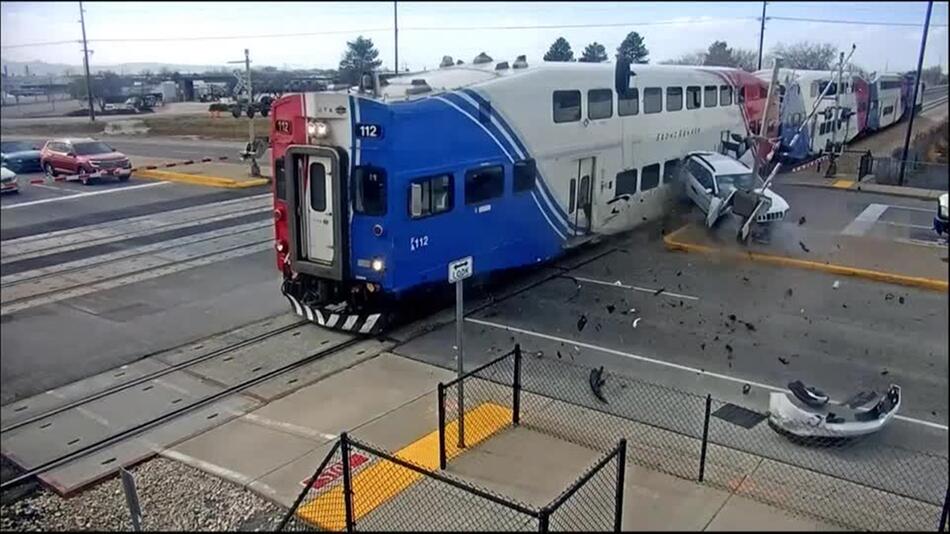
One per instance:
(913, 106)
(85, 61)
(250, 151)
(761, 35)
(835, 119)
(396, 33)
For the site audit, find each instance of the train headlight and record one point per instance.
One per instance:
(281, 247)
(319, 130)
(378, 265)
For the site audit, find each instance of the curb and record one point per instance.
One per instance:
(878, 276)
(197, 179)
(858, 187)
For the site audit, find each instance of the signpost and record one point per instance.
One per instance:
(459, 270)
(132, 499)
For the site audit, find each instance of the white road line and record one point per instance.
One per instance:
(911, 208)
(665, 364)
(289, 428)
(635, 288)
(905, 225)
(863, 222)
(81, 195)
(51, 188)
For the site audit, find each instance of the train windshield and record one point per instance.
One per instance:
(740, 181)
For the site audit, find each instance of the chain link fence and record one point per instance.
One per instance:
(360, 487)
(856, 483)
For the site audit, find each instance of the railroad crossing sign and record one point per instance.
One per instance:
(459, 270)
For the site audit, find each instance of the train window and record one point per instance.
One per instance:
(572, 200)
(670, 168)
(650, 178)
(626, 183)
(693, 97)
(652, 100)
(725, 95)
(600, 104)
(430, 196)
(484, 184)
(369, 185)
(887, 110)
(318, 187)
(524, 175)
(711, 98)
(740, 95)
(674, 98)
(280, 183)
(629, 104)
(567, 106)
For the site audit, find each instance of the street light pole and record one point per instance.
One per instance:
(761, 35)
(250, 150)
(396, 34)
(85, 61)
(913, 104)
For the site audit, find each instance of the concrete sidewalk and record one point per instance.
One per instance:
(389, 401)
(207, 173)
(851, 183)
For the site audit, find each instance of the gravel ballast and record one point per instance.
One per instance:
(173, 496)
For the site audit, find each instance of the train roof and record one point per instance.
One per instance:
(467, 75)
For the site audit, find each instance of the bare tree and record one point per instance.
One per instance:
(806, 55)
(745, 59)
(692, 58)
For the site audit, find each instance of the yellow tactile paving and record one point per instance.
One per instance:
(383, 480)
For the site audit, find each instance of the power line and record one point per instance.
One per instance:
(45, 43)
(231, 37)
(857, 22)
(568, 26)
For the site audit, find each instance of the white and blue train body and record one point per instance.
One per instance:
(378, 190)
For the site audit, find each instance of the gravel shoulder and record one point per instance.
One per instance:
(173, 496)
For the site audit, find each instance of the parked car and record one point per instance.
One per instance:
(8, 181)
(20, 156)
(88, 158)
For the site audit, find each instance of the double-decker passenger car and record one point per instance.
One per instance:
(377, 191)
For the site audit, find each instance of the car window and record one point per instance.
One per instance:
(742, 181)
(700, 173)
(14, 146)
(88, 148)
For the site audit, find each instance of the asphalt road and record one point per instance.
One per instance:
(159, 147)
(149, 298)
(665, 317)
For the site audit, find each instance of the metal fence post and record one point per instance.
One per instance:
(347, 483)
(945, 512)
(702, 454)
(441, 426)
(516, 399)
(621, 473)
(543, 518)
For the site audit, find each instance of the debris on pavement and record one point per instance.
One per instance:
(835, 285)
(658, 291)
(801, 220)
(636, 321)
(611, 308)
(746, 388)
(900, 299)
(597, 381)
(803, 246)
(788, 292)
(783, 360)
(581, 322)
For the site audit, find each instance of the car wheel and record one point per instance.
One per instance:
(250, 112)
(124, 177)
(236, 111)
(49, 170)
(265, 111)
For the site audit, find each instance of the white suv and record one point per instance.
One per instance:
(712, 181)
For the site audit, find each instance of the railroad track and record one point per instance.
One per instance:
(172, 414)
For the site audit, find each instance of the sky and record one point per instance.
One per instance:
(429, 30)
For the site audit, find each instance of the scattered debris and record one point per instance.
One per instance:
(658, 291)
(803, 246)
(732, 317)
(900, 299)
(745, 279)
(729, 347)
(618, 283)
(559, 355)
(679, 273)
(581, 322)
(889, 296)
(801, 220)
(746, 388)
(627, 312)
(788, 292)
(597, 383)
(702, 346)
(610, 308)
(783, 360)
(749, 326)
(884, 372)
(835, 285)
(540, 354)
(845, 306)
(636, 321)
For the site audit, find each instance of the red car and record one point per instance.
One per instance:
(88, 158)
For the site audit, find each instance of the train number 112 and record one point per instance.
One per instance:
(369, 130)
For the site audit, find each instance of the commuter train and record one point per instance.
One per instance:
(847, 108)
(378, 190)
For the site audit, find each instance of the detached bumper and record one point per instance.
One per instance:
(9, 187)
(335, 317)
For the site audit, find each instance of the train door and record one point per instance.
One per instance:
(581, 196)
(317, 228)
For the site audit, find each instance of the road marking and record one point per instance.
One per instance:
(664, 363)
(378, 483)
(51, 188)
(635, 288)
(215, 469)
(289, 428)
(865, 221)
(80, 195)
(842, 184)
(899, 207)
(905, 225)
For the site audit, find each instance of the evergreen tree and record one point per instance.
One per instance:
(633, 49)
(360, 56)
(560, 51)
(594, 53)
